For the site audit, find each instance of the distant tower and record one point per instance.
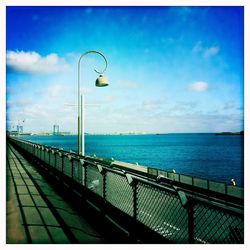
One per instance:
(55, 129)
(19, 129)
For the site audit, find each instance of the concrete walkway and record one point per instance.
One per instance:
(36, 213)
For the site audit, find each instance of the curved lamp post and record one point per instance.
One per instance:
(101, 81)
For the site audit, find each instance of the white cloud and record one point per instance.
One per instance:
(199, 86)
(206, 52)
(212, 51)
(34, 63)
(18, 103)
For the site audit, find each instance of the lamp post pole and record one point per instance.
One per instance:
(100, 82)
(82, 125)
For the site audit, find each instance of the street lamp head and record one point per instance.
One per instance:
(101, 81)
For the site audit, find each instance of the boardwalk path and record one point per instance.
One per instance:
(36, 213)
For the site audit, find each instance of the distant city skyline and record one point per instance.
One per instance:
(171, 69)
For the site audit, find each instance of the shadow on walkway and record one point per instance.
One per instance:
(36, 213)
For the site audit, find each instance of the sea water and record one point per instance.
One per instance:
(210, 156)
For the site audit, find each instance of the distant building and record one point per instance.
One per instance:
(19, 129)
(55, 129)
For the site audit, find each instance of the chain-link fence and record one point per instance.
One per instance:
(166, 210)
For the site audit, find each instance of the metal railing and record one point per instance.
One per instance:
(206, 185)
(163, 208)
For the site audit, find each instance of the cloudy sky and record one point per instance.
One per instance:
(171, 69)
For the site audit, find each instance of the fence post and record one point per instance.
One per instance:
(81, 165)
(104, 174)
(40, 152)
(55, 159)
(190, 211)
(49, 157)
(72, 168)
(63, 162)
(85, 174)
(133, 227)
(135, 200)
(134, 230)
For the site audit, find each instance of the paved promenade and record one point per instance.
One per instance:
(36, 213)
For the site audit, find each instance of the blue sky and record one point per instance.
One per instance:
(171, 69)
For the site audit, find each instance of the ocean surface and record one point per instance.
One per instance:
(214, 157)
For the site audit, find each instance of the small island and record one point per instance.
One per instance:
(230, 133)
